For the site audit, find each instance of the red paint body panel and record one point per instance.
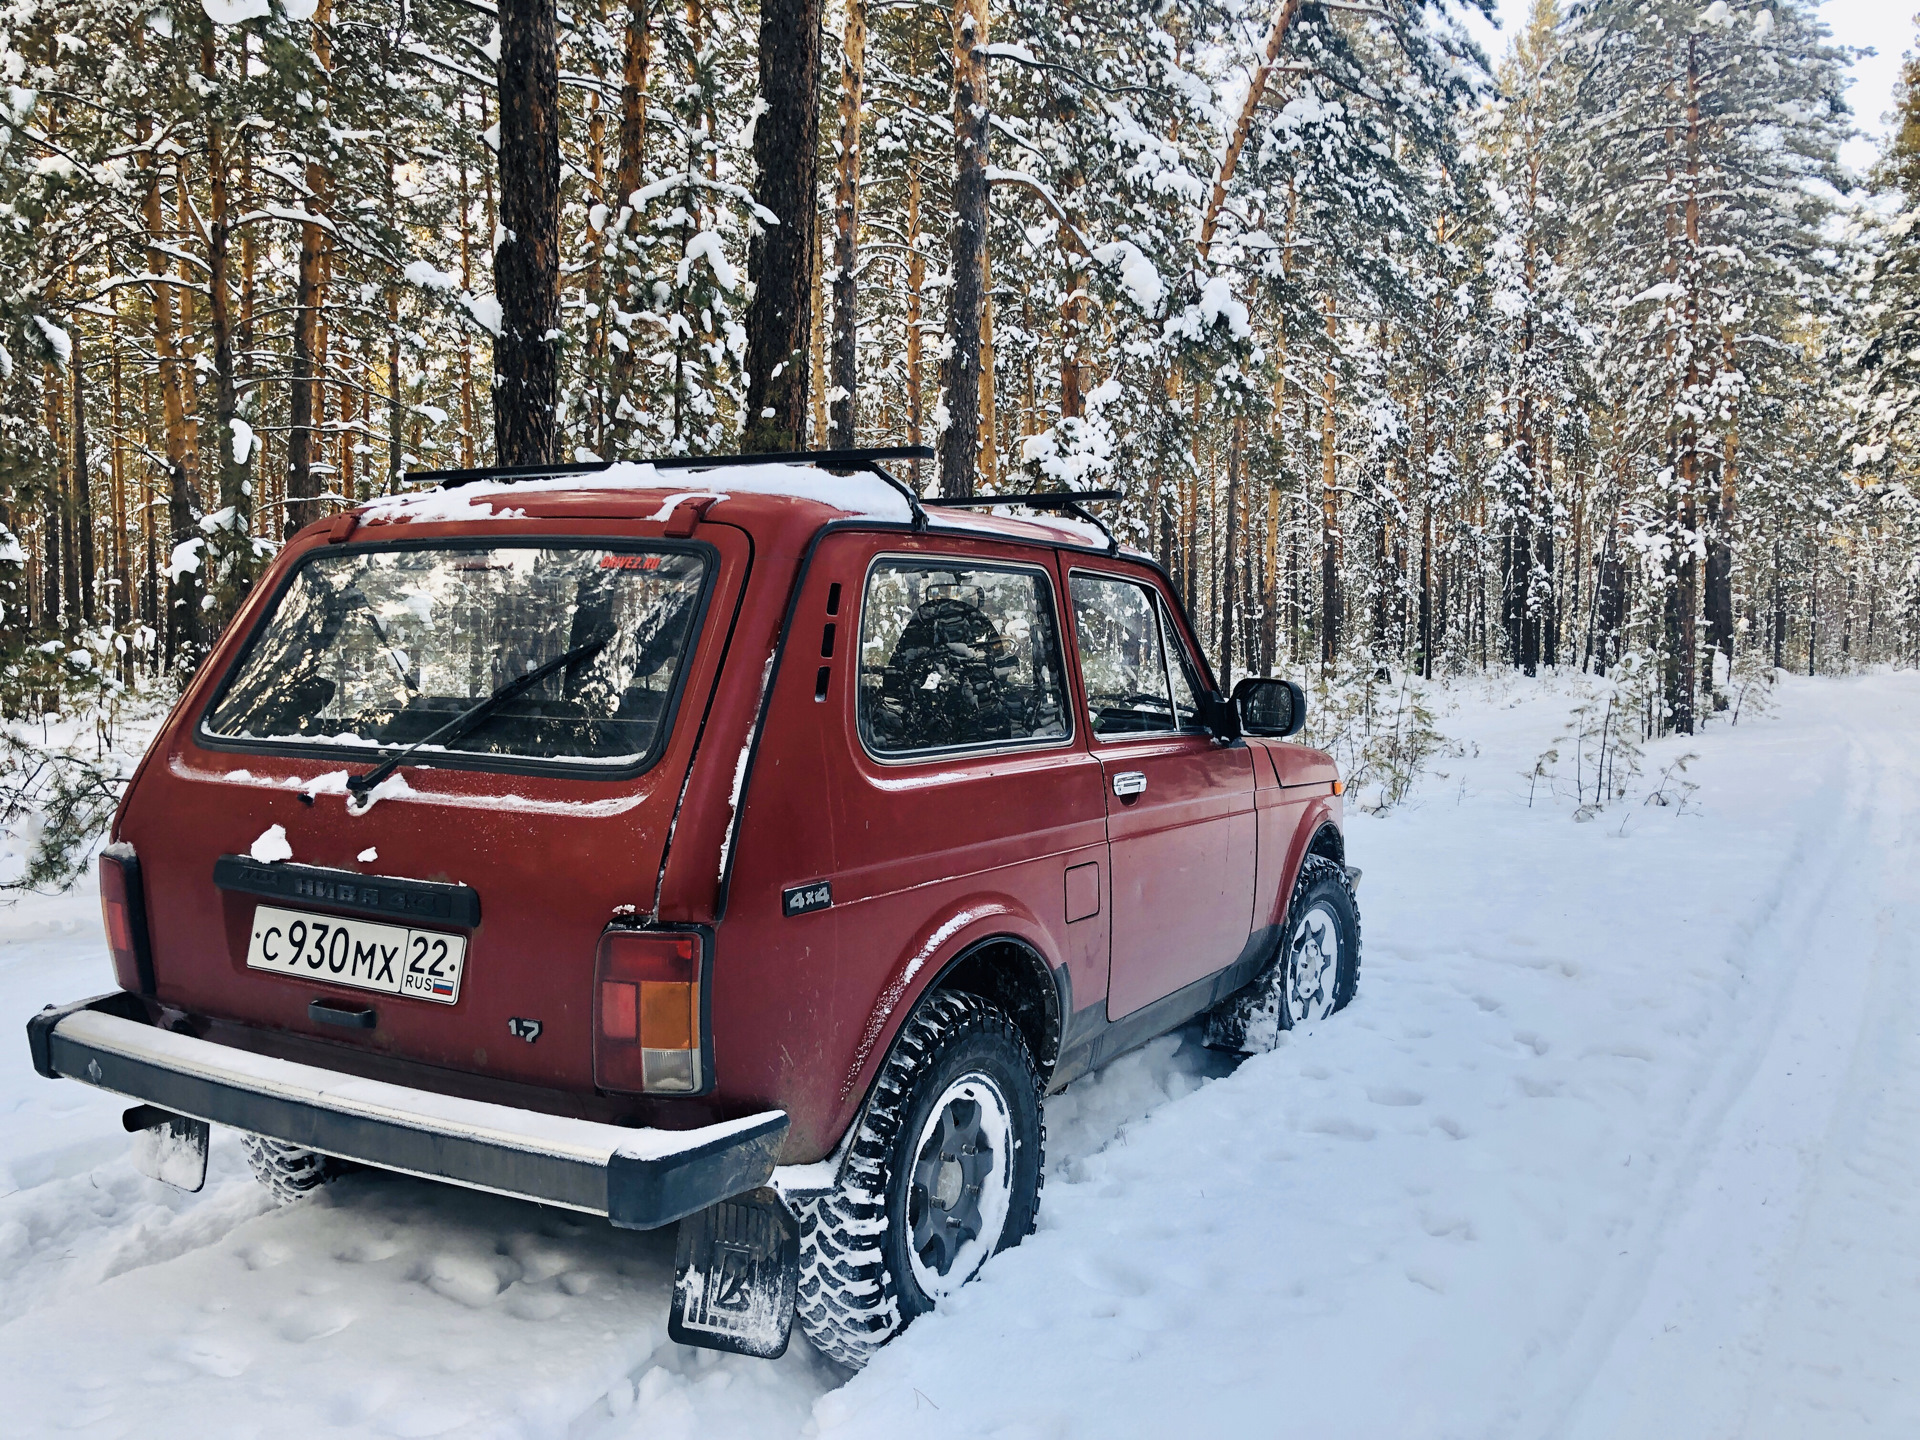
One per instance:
(763, 785)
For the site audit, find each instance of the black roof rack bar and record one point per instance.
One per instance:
(908, 493)
(1074, 502)
(1046, 500)
(825, 459)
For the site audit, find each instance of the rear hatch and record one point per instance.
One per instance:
(270, 885)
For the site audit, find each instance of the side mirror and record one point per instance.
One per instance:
(1273, 709)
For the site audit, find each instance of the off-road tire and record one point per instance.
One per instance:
(1250, 1020)
(287, 1171)
(857, 1289)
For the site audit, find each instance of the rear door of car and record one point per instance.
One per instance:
(542, 858)
(1180, 819)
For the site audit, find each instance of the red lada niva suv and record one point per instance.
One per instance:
(743, 843)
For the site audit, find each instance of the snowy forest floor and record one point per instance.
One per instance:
(1617, 1140)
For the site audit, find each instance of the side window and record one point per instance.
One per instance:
(1186, 675)
(1118, 629)
(954, 654)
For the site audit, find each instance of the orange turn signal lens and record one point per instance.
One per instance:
(646, 1033)
(1339, 787)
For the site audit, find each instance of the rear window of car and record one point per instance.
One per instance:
(955, 655)
(380, 647)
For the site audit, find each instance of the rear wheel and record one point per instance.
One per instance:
(287, 1171)
(1315, 973)
(944, 1171)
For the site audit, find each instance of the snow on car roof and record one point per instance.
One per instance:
(859, 494)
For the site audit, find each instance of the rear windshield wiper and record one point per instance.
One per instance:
(470, 719)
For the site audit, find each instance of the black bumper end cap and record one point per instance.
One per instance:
(120, 1003)
(644, 1194)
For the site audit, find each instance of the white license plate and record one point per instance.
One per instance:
(420, 964)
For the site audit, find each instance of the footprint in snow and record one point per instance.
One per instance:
(264, 1255)
(212, 1357)
(534, 1305)
(471, 1282)
(1342, 1127)
(312, 1322)
(1394, 1095)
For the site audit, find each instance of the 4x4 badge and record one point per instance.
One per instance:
(527, 1030)
(802, 898)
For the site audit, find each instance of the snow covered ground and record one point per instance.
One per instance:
(1618, 1140)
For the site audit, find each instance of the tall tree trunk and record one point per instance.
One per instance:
(1229, 573)
(966, 296)
(396, 411)
(120, 610)
(916, 286)
(636, 56)
(63, 592)
(82, 479)
(783, 257)
(989, 411)
(468, 407)
(230, 550)
(843, 368)
(1330, 539)
(526, 266)
(1686, 597)
(182, 627)
(1720, 545)
(304, 398)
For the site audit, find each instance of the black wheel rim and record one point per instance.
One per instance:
(943, 1203)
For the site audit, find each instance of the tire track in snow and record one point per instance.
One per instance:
(1842, 1339)
(1671, 1342)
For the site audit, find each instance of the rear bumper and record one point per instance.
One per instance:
(638, 1179)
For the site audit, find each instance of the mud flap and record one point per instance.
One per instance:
(736, 1268)
(167, 1147)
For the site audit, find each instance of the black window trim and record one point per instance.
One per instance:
(206, 739)
(985, 747)
(1170, 640)
(1167, 635)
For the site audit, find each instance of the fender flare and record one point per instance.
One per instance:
(957, 928)
(1320, 816)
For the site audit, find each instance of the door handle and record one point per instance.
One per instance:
(1129, 782)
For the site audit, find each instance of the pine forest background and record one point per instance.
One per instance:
(1405, 364)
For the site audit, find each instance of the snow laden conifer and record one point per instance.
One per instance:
(1697, 144)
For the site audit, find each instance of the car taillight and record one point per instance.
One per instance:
(646, 1013)
(123, 908)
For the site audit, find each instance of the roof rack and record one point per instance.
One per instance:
(1074, 502)
(845, 460)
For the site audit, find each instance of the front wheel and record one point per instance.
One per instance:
(1315, 973)
(943, 1172)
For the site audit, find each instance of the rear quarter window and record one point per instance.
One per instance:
(958, 655)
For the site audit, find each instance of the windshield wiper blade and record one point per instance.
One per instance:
(468, 720)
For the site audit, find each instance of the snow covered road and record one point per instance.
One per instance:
(1617, 1141)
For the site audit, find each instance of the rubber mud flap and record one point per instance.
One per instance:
(735, 1274)
(169, 1148)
